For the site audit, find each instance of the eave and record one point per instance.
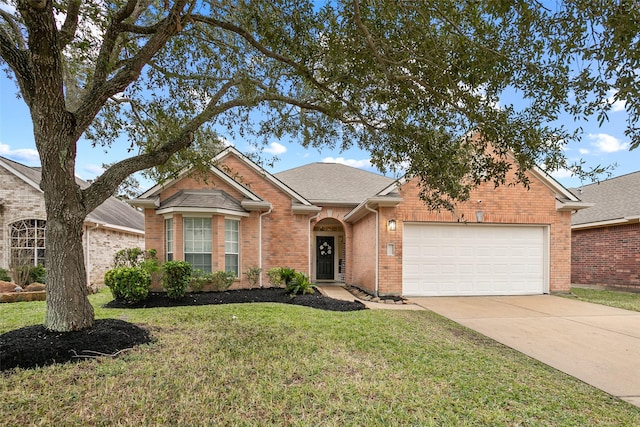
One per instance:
(570, 205)
(196, 210)
(607, 223)
(362, 209)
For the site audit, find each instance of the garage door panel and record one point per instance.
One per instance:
(483, 259)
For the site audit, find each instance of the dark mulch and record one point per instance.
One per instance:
(315, 300)
(34, 346)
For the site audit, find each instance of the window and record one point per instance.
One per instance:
(197, 243)
(168, 226)
(231, 245)
(27, 242)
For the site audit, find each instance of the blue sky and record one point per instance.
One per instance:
(600, 146)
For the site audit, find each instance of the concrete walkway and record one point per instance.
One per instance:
(597, 344)
(339, 292)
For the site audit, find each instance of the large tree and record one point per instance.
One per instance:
(408, 81)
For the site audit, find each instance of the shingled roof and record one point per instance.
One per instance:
(210, 199)
(616, 199)
(323, 183)
(111, 212)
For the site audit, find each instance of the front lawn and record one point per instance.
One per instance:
(626, 300)
(274, 364)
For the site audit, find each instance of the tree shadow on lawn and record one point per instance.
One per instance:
(34, 346)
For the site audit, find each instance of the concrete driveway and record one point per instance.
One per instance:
(597, 344)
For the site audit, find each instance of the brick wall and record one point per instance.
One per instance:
(363, 264)
(285, 236)
(20, 201)
(100, 245)
(608, 256)
(502, 205)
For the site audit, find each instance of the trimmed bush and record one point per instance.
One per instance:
(253, 276)
(130, 284)
(299, 285)
(275, 278)
(177, 276)
(37, 274)
(4, 275)
(221, 280)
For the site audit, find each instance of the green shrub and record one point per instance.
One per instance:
(130, 284)
(37, 274)
(221, 280)
(299, 285)
(198, 280)
(129, 257)
(275, 278)
(177, 276)
(286, 275)
(253, 276)
(4, 275)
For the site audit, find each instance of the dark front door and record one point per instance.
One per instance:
(325, 252)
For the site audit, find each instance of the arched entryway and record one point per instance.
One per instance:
(329, 259)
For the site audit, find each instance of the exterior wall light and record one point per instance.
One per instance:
(391, 225)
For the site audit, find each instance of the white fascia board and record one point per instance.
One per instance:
(305, 209)
(373, 202)
(212, 211)
(94, 224)
(252, 205)
(21, 176)
(553, 184)
(607, 223)
(572, 206)
(145, 203)
(393, 186)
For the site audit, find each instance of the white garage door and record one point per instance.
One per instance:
(443, 259)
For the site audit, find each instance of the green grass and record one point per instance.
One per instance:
(271, 364)
(626, 300)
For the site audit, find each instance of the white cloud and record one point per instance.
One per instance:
(94, 170)
(615, 105)
(584, 151)
(360, 164)
(607, 143)
(562, 173)
(23, 155)
(275, 148)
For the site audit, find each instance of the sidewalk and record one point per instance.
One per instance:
(339, 292)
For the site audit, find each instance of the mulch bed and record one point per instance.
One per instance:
(34, 346)
(315, 300)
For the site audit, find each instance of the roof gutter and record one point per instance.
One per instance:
(607, 223)
(366, 206)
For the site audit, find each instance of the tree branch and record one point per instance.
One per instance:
(68, 30)
(102, 89)
(15, 29)
(302, 70)
(106, 184)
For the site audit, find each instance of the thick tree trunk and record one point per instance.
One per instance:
(68, 308)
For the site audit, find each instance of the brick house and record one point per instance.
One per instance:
(341, 224)
(606, 237)
(110, 227)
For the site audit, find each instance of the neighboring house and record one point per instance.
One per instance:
(110, 227)
(605, 238)
(341, 224)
